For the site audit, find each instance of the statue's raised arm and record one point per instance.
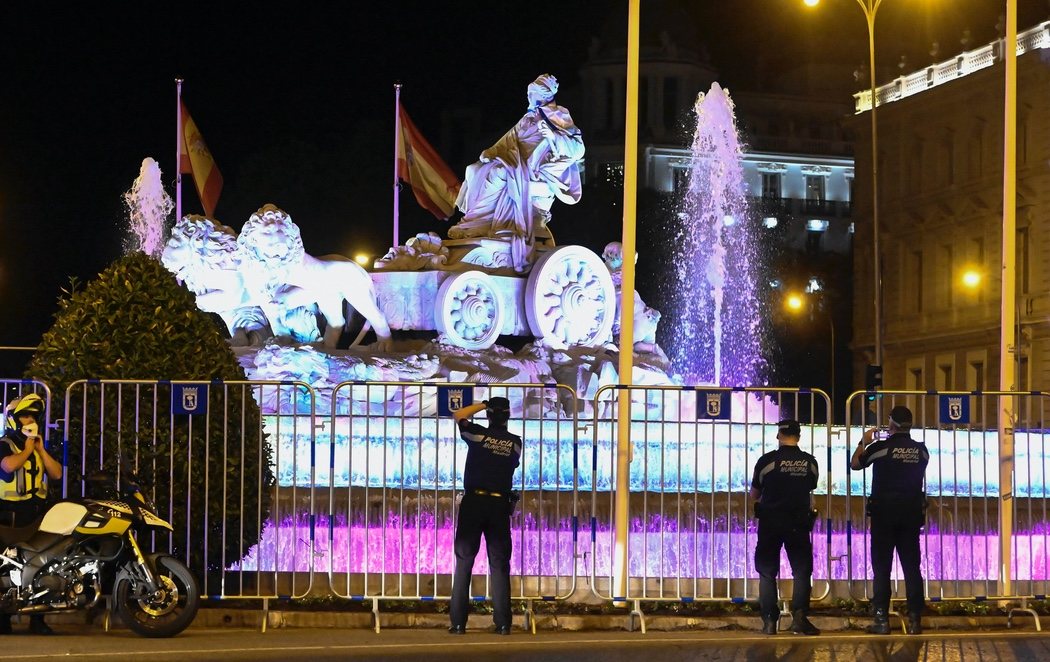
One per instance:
(508, 193)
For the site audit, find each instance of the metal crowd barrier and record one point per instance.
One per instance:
(692, 535)
(394, 475)
(243, 518)
(960, 542)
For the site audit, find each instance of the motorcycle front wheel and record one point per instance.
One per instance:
(164, 613)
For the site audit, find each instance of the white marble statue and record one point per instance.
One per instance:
(646, 319)
(280, 276)
(204, 256)
(509, 192)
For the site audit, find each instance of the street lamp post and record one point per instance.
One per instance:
(870, 8)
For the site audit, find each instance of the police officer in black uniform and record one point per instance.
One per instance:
(897, 508)
(493, 454)
(782, 485)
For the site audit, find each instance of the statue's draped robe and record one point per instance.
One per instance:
(525, 173)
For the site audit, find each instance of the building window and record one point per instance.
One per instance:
(977, 247)
(975, 376)
(915, 277)
(948, 267)
(1023, 253)
(771, 185)
(976, 149)
(815, 188)
(681, 180)
(949, 160)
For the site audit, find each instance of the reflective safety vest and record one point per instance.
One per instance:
(26, 482)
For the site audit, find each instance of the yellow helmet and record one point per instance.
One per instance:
(31, 404)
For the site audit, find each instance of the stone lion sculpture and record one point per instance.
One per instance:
(204, 256)
(279, 275)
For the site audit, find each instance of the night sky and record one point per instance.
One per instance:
(296, 102)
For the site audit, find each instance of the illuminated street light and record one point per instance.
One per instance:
(361, 259)
(794, 302)
(971, 278)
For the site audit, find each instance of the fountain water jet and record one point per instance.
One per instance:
(717, 339)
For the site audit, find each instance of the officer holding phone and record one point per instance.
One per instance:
(897, 510)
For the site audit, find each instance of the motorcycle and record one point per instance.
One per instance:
(83, 549)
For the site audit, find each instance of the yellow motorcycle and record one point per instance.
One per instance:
(83, 549)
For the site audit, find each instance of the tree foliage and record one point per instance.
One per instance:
(211, 473)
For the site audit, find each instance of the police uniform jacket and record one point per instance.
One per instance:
(785, 476)
(898, 467)
(26, 482)
(492, 456)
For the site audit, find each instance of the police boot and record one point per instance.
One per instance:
(801, 625)
(769, 625)
(881, 624)
(5, 623)
(914, 623)
(38, 626)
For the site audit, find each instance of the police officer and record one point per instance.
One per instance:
(493, 454)
(25, 468)
(897, 509)
(782, 486)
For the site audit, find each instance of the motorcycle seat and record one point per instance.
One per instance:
(12, 535)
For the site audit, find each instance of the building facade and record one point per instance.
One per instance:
(940, 147)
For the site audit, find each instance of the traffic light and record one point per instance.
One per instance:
(872, 379)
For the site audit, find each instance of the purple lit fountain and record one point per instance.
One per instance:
(716, 339)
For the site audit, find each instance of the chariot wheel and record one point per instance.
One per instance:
(469, 310)
(570, 298)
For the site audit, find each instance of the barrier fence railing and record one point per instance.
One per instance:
(204, 449)
(395, 475)
(267, 484)
(960, 541)
(692, 532)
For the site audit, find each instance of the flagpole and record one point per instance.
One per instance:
(397, 135)
(178, 150)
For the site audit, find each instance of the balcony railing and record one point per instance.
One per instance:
(960, 65)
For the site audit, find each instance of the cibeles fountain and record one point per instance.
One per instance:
(498, 273)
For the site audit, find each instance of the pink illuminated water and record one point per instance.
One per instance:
(419, 546)
(717, 328)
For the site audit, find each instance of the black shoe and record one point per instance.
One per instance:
(38, 626)
(801, 625)
(769, 625)
(5, 623)
(881, 624)
(502, 629)
(914, 624)
(457, 629)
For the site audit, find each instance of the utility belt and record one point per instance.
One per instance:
(511, 496)
(801, 518)
(897, 505)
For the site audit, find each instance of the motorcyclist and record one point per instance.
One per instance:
(25, 469)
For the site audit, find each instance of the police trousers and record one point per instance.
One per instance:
(489, 516)
(776, 531)
(896, 525)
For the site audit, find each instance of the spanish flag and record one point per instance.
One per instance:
(195, 159)
(432, 182)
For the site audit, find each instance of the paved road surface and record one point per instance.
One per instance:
(83, 643)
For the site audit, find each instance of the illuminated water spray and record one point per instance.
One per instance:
(148, 208)
(713, 307)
